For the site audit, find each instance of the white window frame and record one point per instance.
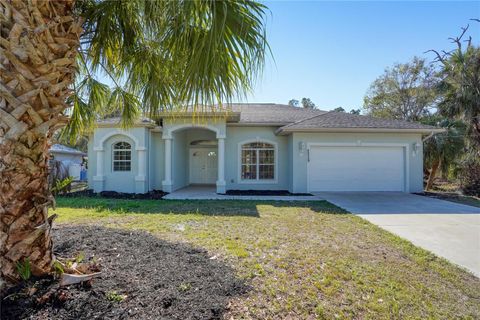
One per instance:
(275, 163)
(113, 156)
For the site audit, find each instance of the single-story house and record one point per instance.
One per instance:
(258, 147)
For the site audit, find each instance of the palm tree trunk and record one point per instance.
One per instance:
(432, 174)
(39, 40)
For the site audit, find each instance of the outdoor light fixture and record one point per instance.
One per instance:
(302, 146)
(416, 147)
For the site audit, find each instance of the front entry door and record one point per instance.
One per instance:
(203, 166)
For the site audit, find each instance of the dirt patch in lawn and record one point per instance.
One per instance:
(143, 277)
(453, 197)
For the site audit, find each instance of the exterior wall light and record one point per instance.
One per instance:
(416, 148)
(302, 146)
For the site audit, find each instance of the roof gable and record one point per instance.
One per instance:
(342, 120)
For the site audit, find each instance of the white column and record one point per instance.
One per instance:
(142, 163)
(99, 176)
(141, 177)
(167, 183)
(221, 166)
(100, 154)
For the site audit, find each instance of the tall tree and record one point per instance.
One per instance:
(461, 100)
(353, 111)
(308, 104)
(406, 91)
(293, 103)
(158, 55)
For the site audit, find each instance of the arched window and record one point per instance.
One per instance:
(258, 161)
(122, 156)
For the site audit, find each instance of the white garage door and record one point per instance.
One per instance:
(356, 169)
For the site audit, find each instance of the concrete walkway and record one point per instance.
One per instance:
(209, 193)
(445, 228)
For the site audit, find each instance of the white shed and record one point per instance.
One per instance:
(71, 158)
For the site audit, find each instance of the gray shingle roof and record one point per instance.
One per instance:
(336, 120)
(118, 120)
(60, 148)
(264, 113)
(291, 119)
(272, 113)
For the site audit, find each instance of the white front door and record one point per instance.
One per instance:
(203, 166)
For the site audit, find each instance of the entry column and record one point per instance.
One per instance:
(99, 178)
(221, 166)
(167, 183)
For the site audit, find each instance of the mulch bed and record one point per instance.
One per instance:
(143, 277)
(264, 193)
(152, 195)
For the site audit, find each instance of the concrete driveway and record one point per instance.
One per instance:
(445, 228)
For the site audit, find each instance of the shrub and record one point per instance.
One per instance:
(24, 269)
(470, 178)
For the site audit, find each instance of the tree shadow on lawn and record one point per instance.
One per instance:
(248, 208)
(156, 278)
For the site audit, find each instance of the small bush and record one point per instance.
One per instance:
(62, 186)
(470, 178)
(184, 287)
(24, 269)
(115, 297)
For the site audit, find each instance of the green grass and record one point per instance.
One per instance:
(302, 259)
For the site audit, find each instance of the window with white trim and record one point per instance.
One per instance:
(258, 161)
(122, 156)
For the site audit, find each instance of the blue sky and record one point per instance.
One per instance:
(332, 51)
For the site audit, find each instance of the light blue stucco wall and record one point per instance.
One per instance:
(291, 166)
(121, 181)
(415, 160)
(102, 141)
(290, 163)
(239, 135)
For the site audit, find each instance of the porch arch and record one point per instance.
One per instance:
(167, 136)
(168, 130)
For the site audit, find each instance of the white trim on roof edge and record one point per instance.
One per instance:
(256, 124)
(281, 131)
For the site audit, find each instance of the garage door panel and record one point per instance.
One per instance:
(356, 169)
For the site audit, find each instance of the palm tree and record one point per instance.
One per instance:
(54, 58)
(443, 149)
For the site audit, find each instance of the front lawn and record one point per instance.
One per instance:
(301, 259)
